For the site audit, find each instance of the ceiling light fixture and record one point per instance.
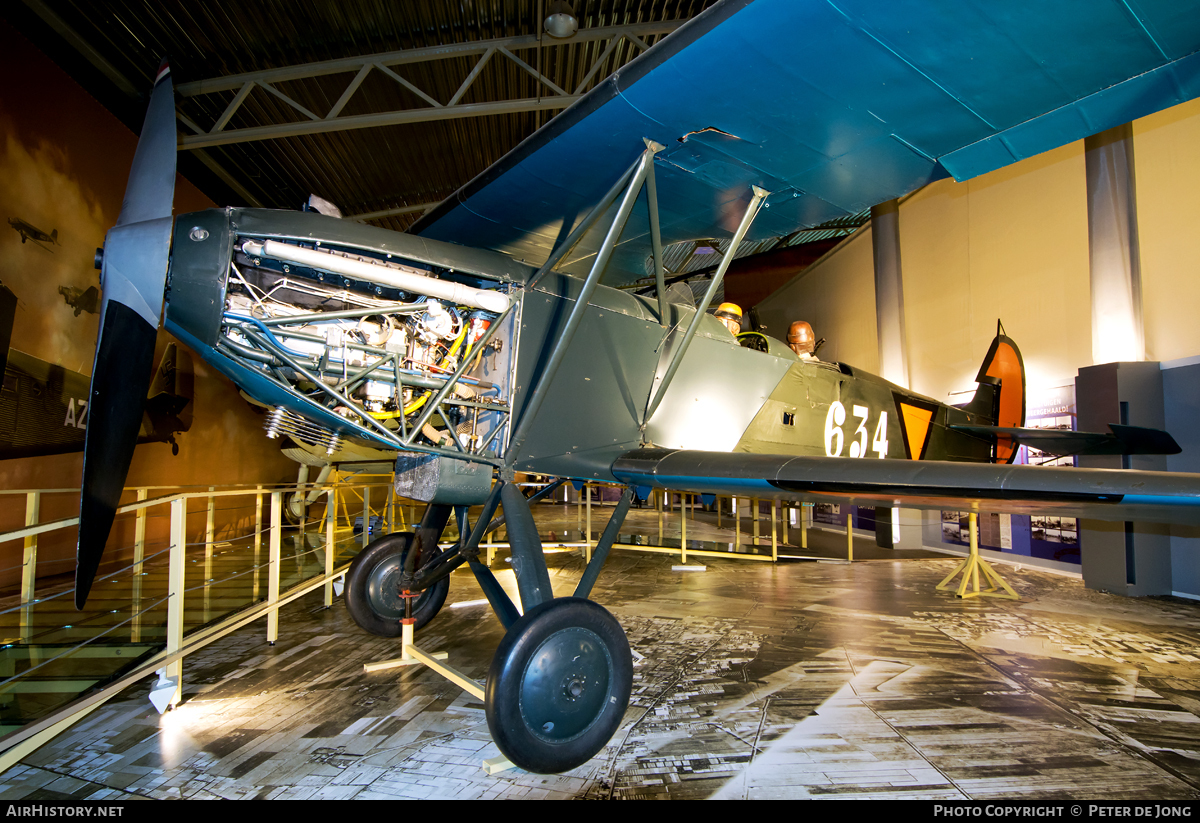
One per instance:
(561, 21)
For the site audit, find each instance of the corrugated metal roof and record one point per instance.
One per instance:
(366, 170)
(684, 258)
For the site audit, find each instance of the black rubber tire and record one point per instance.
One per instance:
(372, 592)
(289, 517)
(558, 685)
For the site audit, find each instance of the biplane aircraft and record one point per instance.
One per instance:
(492, 339)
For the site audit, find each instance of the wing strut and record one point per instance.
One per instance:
(660, 282)
(538, 391)
(677, 356)
(565, 247)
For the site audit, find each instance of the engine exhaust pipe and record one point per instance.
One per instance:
(455, 293)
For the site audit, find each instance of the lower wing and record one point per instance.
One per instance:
(1101, 494)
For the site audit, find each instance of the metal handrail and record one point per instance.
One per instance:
(169, 660)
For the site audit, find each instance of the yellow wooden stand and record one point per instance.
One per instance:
(412, 656)
(970, 568)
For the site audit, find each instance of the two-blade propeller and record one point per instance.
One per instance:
(133, 274)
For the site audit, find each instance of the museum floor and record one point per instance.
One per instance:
(754, 680)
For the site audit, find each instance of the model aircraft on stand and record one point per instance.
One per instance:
(491, 339)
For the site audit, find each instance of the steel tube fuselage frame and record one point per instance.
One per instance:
(208, 243)
(581, 360)
(608, 366)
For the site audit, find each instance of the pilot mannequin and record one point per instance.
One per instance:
(802, 341)
(731, 315)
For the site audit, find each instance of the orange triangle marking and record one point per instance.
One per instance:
(916, 428)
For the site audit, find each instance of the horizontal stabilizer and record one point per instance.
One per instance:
(1123, 440)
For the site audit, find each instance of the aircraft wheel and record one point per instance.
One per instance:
(373, 587)
(294, 508)
(558, 685)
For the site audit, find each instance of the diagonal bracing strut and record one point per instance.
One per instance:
(539, 390)
(758, 195)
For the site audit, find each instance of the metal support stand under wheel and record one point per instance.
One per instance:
(970, 568)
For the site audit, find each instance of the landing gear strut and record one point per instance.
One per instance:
(560, 680)
(373, 595)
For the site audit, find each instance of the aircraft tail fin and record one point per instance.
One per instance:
(54, 237)
(163, 381)
(1000, 398)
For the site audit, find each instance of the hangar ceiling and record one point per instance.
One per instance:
(382, 107)
(376, 105)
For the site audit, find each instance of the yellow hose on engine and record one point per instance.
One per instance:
(420, 401)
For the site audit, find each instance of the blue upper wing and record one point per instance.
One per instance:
(832, 106)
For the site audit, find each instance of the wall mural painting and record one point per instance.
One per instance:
(49, 308)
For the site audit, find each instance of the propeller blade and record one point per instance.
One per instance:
(133, 275)
(150, 192)
(120, 377)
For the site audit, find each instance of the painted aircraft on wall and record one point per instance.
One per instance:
(43, 406)
(31, 232)
(492, 339)
(81, 300)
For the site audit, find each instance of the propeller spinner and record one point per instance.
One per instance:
(133, 274)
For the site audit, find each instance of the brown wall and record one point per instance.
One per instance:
(751, 280)
(837, 296)
(63, 163)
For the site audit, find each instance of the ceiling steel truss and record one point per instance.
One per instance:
(335, 119)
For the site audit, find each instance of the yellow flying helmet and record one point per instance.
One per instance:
(731, 310)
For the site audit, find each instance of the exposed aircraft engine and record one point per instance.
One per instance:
(385, 349)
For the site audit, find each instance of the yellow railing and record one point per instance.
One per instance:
(167, 599)
(170, 597)
(666, 505)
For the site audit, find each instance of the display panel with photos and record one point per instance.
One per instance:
(1048, 537)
